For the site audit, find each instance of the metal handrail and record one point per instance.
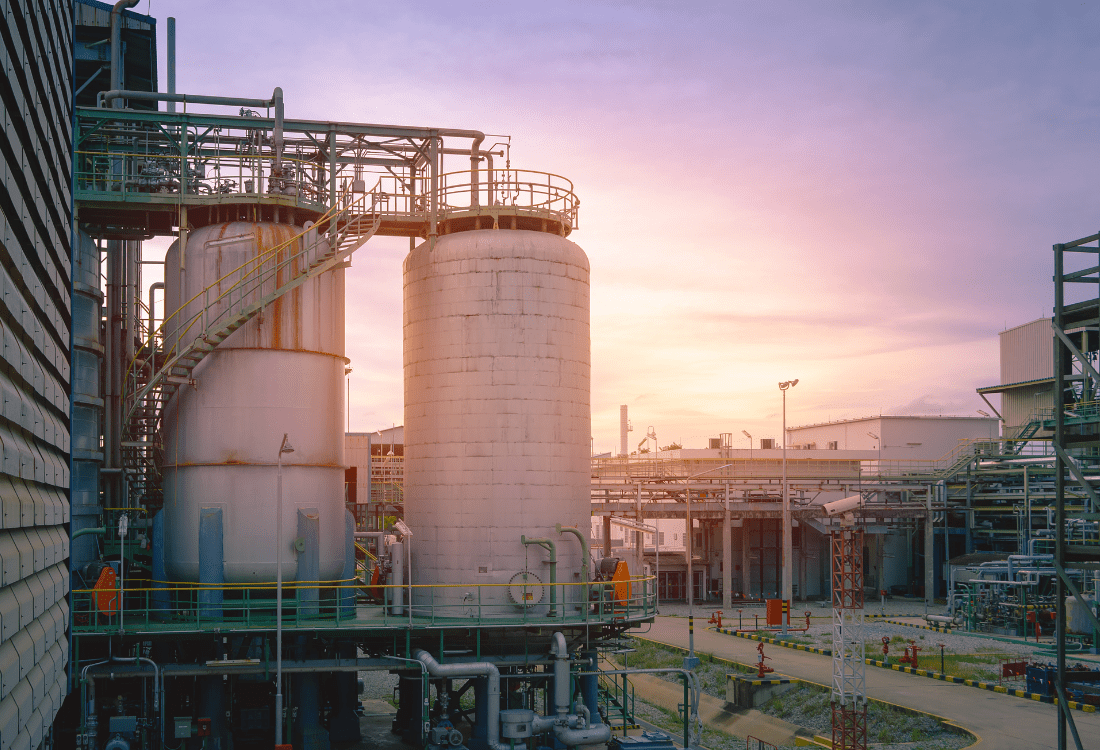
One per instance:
(529, 191)
(246, 611)
(258, 273)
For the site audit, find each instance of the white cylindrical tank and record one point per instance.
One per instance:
(497, 417)
(282, 372)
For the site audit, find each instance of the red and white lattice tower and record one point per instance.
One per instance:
(849, 681)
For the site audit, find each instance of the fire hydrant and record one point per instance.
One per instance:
(761, 670)
(910, 657)
(716, 618)
(885, 649)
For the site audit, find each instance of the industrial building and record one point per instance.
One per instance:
(211, 573)
(180, 566)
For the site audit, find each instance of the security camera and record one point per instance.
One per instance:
(843, 505)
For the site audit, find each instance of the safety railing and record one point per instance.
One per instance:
(341, 604)
(540, 194)
(245, 285)
(133, 174)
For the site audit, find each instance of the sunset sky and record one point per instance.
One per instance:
(860, 195)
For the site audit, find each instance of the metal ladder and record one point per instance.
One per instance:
(169, 358)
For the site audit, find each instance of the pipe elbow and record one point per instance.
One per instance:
(559, 649)
(593, 735)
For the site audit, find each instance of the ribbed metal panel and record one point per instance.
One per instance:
(35, 309)
(1027, 352)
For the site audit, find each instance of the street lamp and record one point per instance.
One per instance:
(787, 541)
(878, 440)
(285, 447)
(746, 434)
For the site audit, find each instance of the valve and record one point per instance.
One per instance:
(716, 618)
(761, 669)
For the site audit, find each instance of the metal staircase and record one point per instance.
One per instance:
(169, 358)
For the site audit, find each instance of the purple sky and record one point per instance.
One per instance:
(856, 194)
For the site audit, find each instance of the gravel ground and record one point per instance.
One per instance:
(378, 685)
(820, 633)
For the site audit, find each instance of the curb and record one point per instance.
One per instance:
(1086, 707)
(933, 628)
(777, 642)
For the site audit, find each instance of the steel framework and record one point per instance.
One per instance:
(849, 680)
(1076, 442)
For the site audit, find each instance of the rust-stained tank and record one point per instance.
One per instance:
(282, 372)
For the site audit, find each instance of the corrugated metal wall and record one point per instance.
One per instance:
(35, 257)
(1027, 352)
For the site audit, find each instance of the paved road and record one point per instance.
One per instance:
(1002, 722)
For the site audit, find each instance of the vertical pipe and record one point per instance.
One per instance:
(746, 560)
(211, 562)
(397, 573)
(929, 555)
(786, 508)
(689, 542)
(1026, 550)
(639, 536)
(279, 599)
(1059, 485)
(116, 46)
(171, 61)
(727, 555)
(433, 197)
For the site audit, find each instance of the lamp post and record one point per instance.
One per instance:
(746, 434)
(878, 441)
(786, 505)
(285, 447)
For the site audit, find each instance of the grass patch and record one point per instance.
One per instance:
(711, 670)
(810, 706)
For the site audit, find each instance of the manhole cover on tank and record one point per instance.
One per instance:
(525, 589)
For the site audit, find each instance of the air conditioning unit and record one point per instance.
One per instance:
(767, 444)
(831, 445)
(715, 443)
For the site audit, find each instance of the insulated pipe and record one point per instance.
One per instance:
(276, 101)
(171, 61)
(593, 735)
(549, 545)
(475, 669)
(584, 552)
(397, 560)
(475, 147)
(152, 320)
(116, 42)
(560, 651)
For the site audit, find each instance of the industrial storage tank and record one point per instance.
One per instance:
(497, 420)
(282, 372)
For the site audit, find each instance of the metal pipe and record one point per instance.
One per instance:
(116, 42)
(171, 61)
(691, 685)
(548, 544)
(397, 560)
(99, 530)
(152, 319)
(584, 550)
(276, 101)
(474, 669)
(560, 651)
